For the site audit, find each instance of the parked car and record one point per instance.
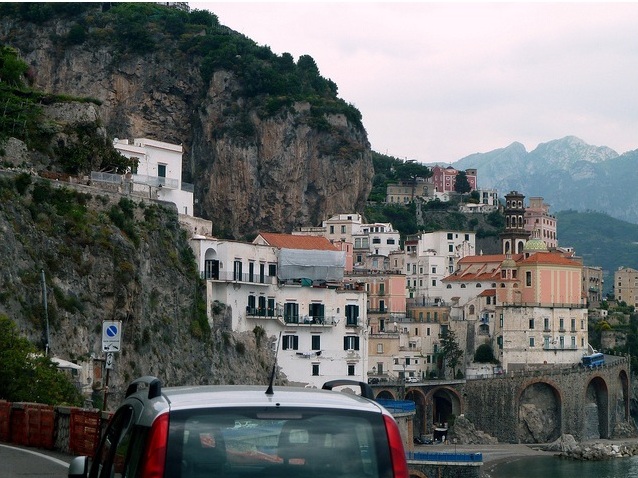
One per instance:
(411, 380)
(243, 431)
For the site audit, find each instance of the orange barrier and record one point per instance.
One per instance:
(32, 424)
(5, 420)
(85, 431)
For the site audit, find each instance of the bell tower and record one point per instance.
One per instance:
(515, 236)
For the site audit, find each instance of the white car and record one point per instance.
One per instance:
(411, 380)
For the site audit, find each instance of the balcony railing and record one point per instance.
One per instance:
(156, 181)
(558, 347)
(308, 320)
(232, 277)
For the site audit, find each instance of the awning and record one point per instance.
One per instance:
(65, 363)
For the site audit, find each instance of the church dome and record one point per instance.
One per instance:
(535, 245)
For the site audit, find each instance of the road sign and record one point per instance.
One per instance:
(111, 335)
(110, 358)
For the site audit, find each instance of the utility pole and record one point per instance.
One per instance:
(46, 313)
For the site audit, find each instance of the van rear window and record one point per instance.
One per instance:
(292, 442)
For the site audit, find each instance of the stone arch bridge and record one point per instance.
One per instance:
(526, 407)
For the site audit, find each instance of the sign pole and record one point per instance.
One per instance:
(106, 388)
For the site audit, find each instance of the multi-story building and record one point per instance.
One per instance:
(291, 287)
(538, 220)
(626, 286)
(406, 192)
(542, 316)
(593, 285)
(444, 179)
(158, 174)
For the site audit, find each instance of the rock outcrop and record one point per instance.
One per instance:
(251, 170)
(466, 433)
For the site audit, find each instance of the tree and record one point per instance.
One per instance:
(462, 185)
(484, 354)
(29, 376)
(451, 353)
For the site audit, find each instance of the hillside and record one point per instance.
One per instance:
(600, 240)
(268, 144)
(568, 173)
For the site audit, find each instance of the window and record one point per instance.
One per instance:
(531, 323)
(531, 341)
(562, 342)
(381, 289)
(352, 315)
(351, 342)
(332, 229)
(315, 369)
(237, 270)
(561, 324)
(291, 313)
(546, 342)
(427, 331)
(262, 273)
(350, 369)
(317, 313)
(272, 270)
(573, 322)
(450, 248)
(161, 171)
(467, 237)
(545, 323)
(376, 240)
(316, 342)
(433, 282)
(379, 348)
(252, 303)
(433, 270)
(449, 236)
(528, 278)
(573, 342)
(290, 342)
(251, 271)
(390, 242)
(343, 229)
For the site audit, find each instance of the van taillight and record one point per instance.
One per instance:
(155, 453)
(397, 452)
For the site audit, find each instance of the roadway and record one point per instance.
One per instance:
(21, 462)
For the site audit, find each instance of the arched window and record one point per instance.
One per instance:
(478, 285)
(463, 286)
(471, 310)
(449, 286)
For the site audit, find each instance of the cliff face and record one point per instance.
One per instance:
(252, 171)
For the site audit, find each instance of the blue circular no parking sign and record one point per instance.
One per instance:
(111, 331)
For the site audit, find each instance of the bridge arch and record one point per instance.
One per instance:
(444, 402)
(386, 394)
(539, 405)
(419, 422)
(623, 379)
(596, 409)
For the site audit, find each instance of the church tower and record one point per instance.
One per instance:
(515, 236)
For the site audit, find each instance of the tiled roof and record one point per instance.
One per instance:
(288, 241)
(488, 293)
(549, 258)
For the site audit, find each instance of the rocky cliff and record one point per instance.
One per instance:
(259, 161)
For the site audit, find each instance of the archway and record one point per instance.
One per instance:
(596, 410)
(446, 404)
(539, 414)
(419, 420)
(624, 387)
(385, 395)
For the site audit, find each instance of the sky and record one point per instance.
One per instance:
(437, 81)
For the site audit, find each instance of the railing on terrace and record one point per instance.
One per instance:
(188, 187)
(445, 457)
(558, 348)
(232, 277)
(155, 181)
(110, 178)
(307, 320)
(541, 304)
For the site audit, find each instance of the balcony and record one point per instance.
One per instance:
(229, 276)
(308, 321)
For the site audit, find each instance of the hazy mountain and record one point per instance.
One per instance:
(568, 173)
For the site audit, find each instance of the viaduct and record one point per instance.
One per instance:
(526, 406)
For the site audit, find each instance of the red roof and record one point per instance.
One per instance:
(288, 241)
(549, 258)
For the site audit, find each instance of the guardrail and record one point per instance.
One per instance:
(445, 457)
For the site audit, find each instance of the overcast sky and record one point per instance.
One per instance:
(440, 81)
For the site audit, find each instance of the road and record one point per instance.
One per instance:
(19, 462)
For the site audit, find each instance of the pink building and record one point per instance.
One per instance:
(444, 179)
(539, 221)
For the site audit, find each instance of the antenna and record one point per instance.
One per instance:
(269, 390)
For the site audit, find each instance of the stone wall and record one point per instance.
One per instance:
(587, 404)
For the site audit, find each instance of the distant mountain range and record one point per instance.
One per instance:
(568, 173)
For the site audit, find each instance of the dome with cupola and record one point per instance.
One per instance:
(536, 244)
